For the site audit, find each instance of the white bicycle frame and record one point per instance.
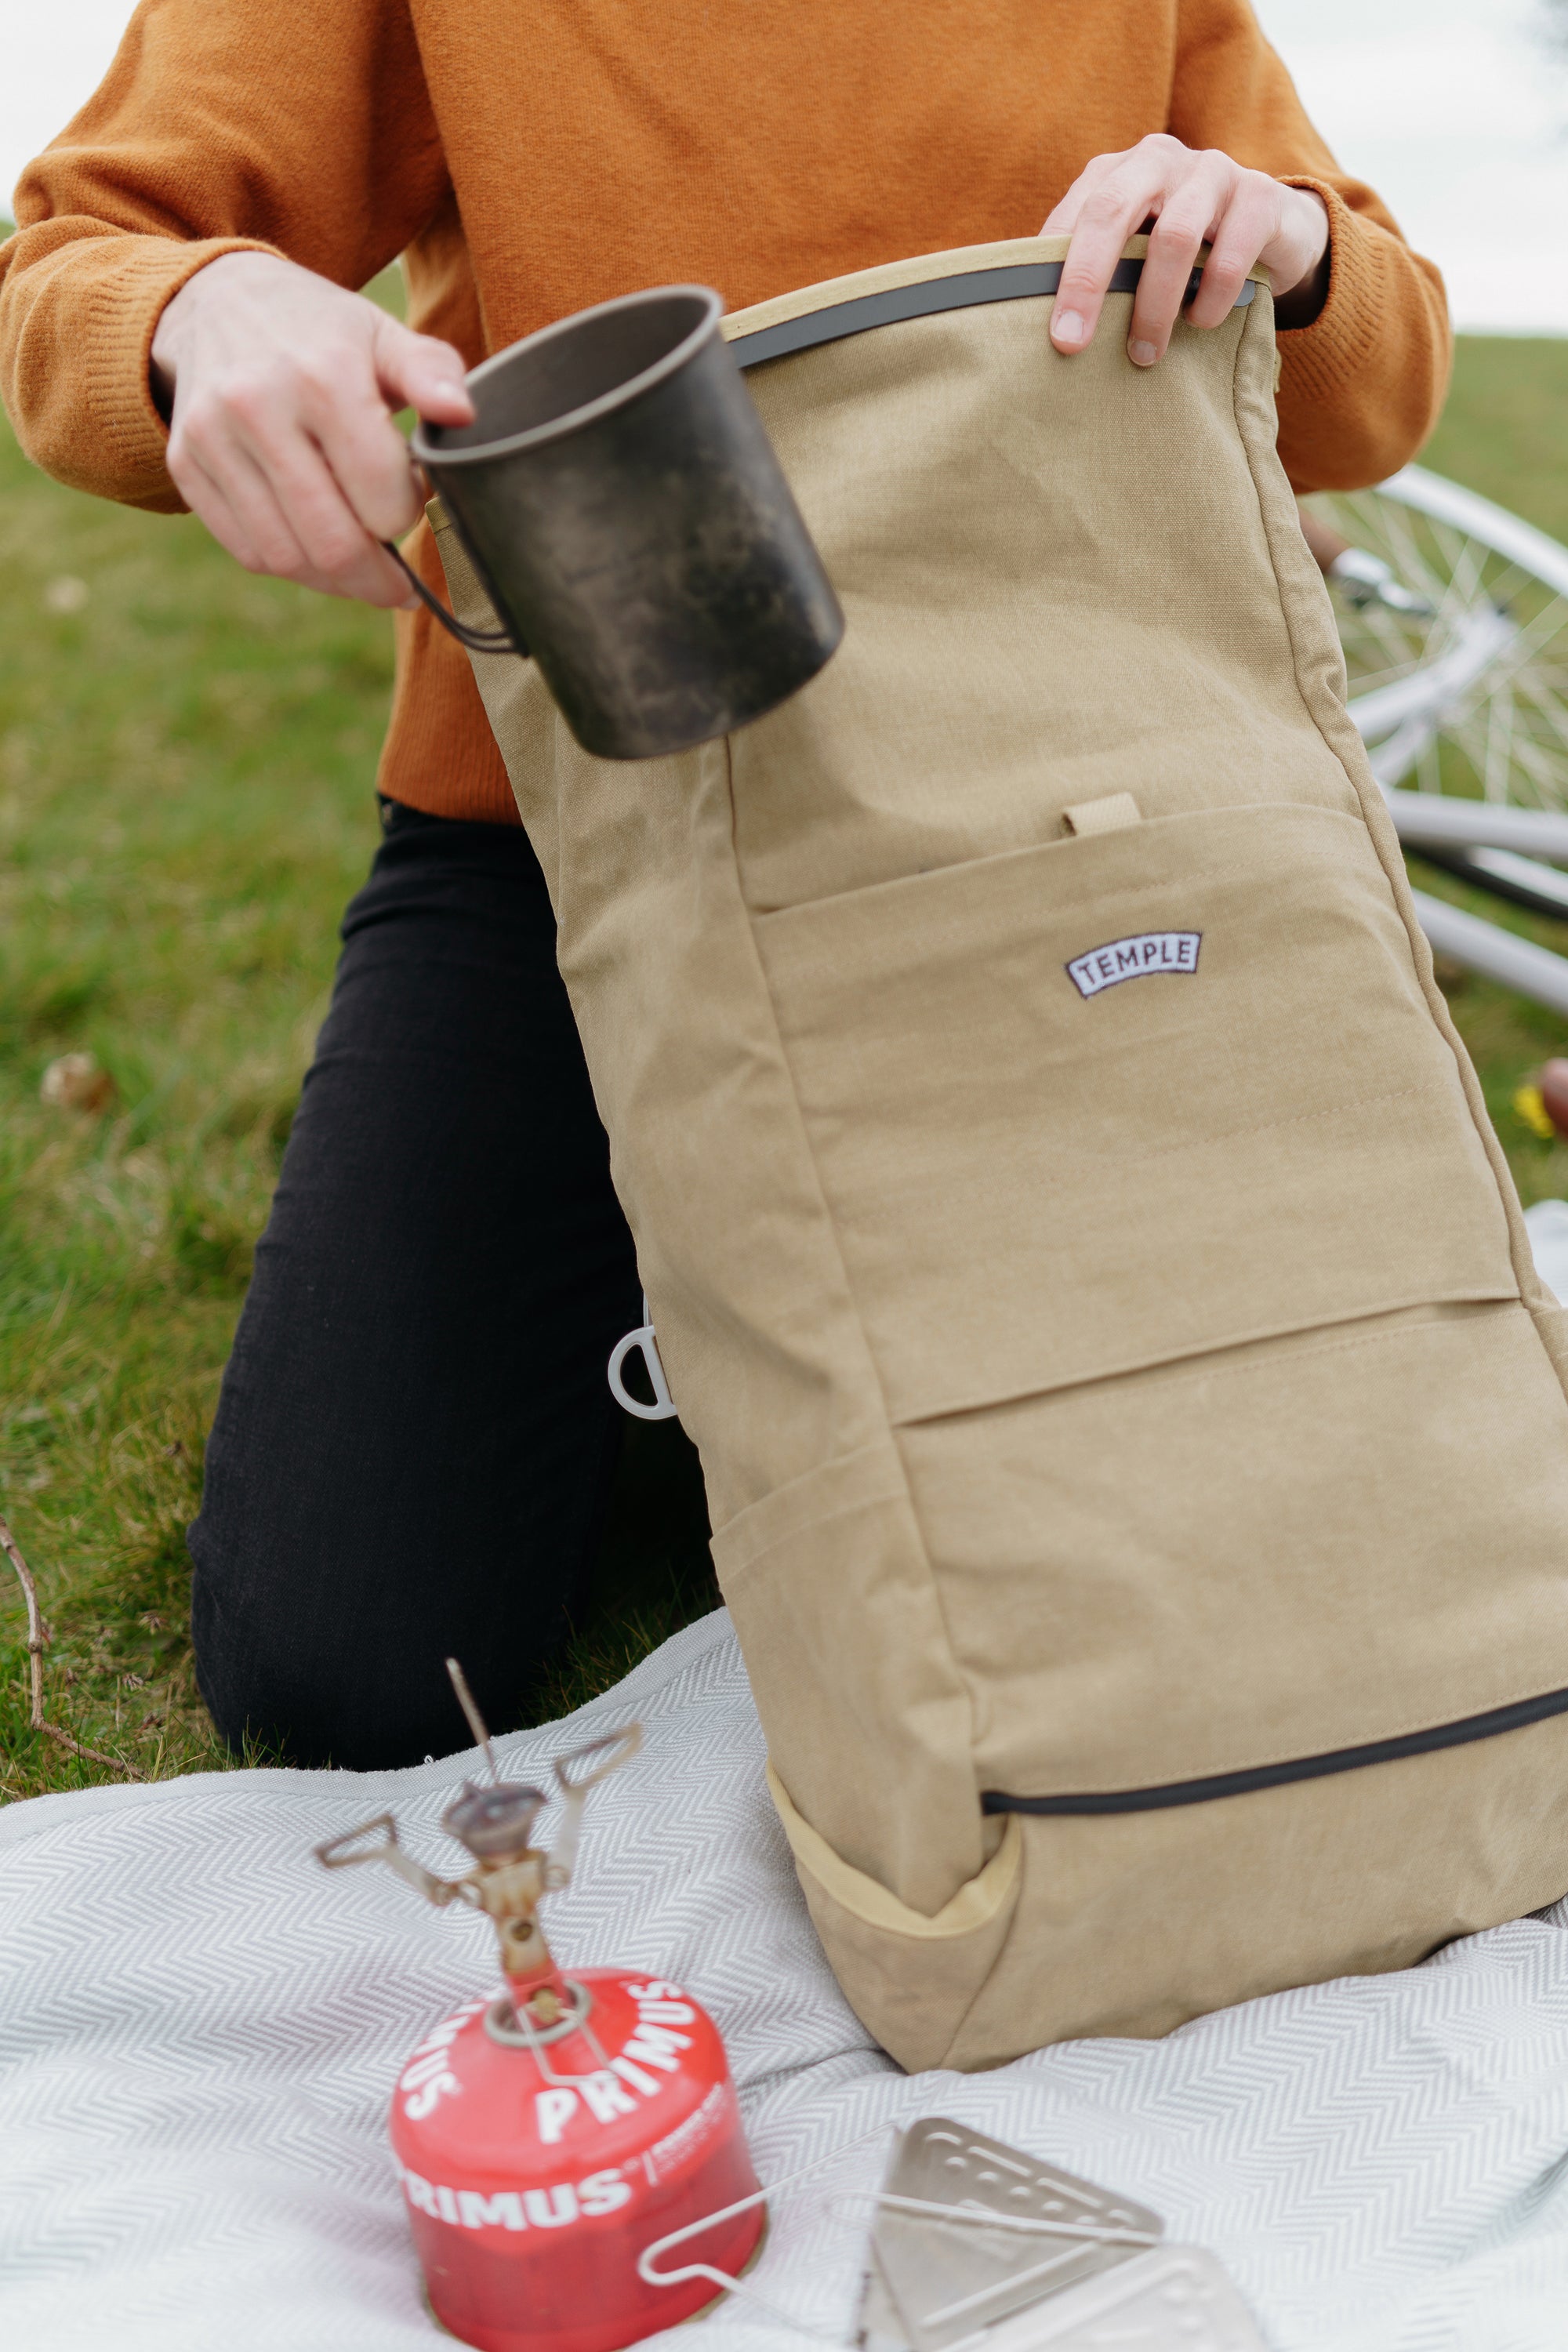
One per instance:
(1400, 721)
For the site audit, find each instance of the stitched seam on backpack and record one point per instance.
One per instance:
(772, 1543)
(1391, 860)
(960, 1679)
(1236, 870)
(1205, 1370)
(1208, 1352)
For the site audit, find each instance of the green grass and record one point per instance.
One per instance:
(187, 761)
(1503, 433)
(186, 800)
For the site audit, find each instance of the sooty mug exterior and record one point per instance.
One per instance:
(620, 501)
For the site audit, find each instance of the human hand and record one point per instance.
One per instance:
(283, 388)
(1186, 199)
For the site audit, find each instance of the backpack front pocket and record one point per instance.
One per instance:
(1122, 1099)
(1268, 1557)
(915, 1975)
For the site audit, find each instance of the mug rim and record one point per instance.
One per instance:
(556, 427)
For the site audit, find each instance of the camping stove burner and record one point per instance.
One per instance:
(546, 2135)
(494, 1823)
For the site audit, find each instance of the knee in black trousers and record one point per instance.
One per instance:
(414, 1437)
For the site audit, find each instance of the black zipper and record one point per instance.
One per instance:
(1300, 1767)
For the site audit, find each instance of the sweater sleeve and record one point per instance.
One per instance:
(301, 128)
(1360, 389)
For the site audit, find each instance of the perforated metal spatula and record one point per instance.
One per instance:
(968, 2230)
(1173, 2299)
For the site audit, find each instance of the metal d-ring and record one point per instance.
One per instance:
(478, 641)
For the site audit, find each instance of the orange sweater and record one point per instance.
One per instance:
(527, 161)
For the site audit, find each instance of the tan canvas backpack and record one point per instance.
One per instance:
(1134, 1431)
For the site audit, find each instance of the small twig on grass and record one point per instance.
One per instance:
(37, 1644)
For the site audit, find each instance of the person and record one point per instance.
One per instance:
(414, 1439)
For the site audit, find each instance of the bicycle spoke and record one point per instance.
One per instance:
(1499, 745)
(1506, 737)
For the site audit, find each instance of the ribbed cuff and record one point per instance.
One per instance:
(124, 307)
(1360, 388)
(1340, 341)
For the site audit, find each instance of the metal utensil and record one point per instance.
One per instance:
(622, 504)
(968, 2230)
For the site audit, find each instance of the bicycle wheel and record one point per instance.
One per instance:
(1453, 615)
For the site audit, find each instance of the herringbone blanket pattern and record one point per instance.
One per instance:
(199, 2030)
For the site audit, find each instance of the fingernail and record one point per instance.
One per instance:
(1142, 354)
(1067, 327)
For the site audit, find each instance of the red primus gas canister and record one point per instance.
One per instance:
(535, 2177)
(549, 2134)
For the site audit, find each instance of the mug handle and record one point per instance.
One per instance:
(478, 641)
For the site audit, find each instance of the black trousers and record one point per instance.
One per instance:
(414, 1439)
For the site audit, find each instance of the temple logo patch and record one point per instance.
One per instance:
(1135, 958)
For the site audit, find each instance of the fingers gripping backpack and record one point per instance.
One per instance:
(1134, 1431)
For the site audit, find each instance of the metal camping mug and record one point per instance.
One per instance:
(621, 502)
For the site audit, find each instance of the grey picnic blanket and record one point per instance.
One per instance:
(199, 2030)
